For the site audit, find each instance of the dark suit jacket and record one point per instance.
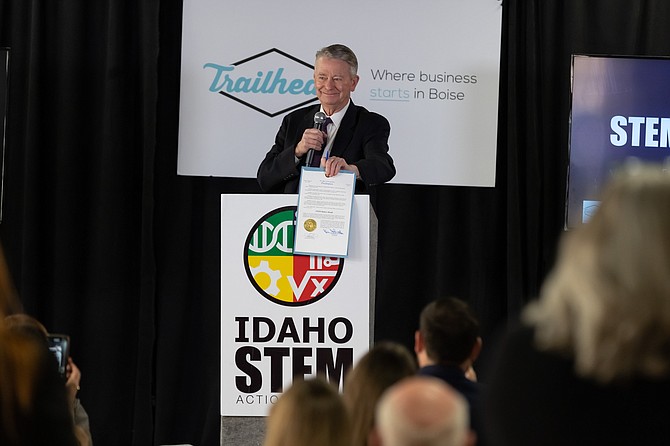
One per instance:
(362, 139)
(455, 377)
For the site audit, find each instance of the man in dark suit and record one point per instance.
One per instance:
(356, 140)
(447, 344)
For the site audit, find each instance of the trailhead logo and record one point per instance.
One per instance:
(277, 274)
(272, 82)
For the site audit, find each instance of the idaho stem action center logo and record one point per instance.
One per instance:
(277, 274)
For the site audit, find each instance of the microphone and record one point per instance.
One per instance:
(319, 118)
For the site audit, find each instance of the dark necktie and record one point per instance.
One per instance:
(316, 160)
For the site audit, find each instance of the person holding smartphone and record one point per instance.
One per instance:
(59, 346)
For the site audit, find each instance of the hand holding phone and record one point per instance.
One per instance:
(59, 344)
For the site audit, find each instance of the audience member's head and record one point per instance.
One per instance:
(448, 334)
(607, 302)
(29, 329)
(422, 411)
(310, 412)
(383, 365)
(22, 362)
(25, 398)
(28, 325)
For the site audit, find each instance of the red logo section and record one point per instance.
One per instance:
(276, 273)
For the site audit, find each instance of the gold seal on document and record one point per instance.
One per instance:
(310, 225)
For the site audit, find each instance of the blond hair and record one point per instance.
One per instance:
(382, 366)
(310, 412)
(607, 302)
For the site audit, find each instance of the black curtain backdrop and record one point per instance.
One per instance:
(106, 243)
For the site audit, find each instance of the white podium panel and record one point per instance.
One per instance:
(285, 315)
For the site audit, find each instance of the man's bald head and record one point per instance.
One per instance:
(422, 411)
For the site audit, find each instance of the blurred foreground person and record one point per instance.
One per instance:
(33, 406)
(383, 365)
(310, 412)
(590, 364)
(423, 411)
(28, 325)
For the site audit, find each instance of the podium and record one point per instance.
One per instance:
(286, 316)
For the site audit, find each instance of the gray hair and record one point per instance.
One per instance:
(340, 52)
(607, 302)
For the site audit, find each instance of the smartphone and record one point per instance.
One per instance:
(59, 344)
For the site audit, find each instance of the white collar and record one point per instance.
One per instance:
(339, 115)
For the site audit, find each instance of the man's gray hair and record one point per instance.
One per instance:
(340, 52)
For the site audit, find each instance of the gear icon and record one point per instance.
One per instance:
(264, 267)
